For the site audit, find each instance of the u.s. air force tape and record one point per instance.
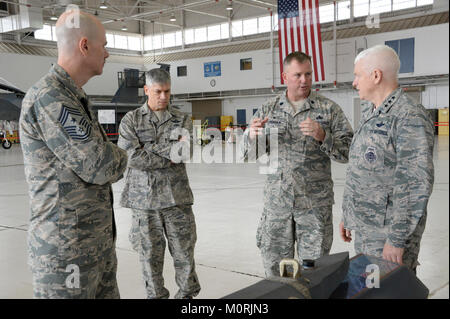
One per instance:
(74, 123)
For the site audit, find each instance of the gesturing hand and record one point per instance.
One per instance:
(256, 126)
(313, 129)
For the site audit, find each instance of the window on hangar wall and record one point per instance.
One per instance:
(405, 51)
(182, 71)
(246, 64)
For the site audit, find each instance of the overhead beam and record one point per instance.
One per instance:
(167, 10)
(255, 5)
(162, 23)
(263, 3)
(134, 7)
(155, 3)
(207, 13)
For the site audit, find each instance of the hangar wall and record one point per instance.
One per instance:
(426, 62)
(25, 70)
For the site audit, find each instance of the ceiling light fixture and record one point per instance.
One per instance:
(103, 5)
(229, 7)
(172, 18)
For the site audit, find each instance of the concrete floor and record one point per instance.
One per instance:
(228, 204)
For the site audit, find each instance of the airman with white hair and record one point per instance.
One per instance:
(390, 173)
(69, 167)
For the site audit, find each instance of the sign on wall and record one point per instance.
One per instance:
(212, 69)
(106, 116)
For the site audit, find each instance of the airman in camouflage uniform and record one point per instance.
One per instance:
(157, 189)
(390, 173)
(299, 195)
(69, 166)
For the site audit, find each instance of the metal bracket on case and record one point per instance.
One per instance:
(295, 266)
(295, 276)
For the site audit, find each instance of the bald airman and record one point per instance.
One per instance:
(69, 167)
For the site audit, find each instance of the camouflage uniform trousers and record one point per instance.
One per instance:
(280, 229)
(371, 242)
(147, 235)
(96, 281)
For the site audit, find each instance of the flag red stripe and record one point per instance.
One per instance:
(286, 52)
(299, 41)
(292, 33)
(280, 48)
(319, 34)
(305, 30)
(313, 42)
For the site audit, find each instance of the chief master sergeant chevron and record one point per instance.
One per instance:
(69, 167)
(390, 172)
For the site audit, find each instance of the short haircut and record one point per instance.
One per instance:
(298, 56)
(68, 35)
(380, 57)
(157, 76)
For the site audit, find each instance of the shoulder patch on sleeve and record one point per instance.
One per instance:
(74, 123)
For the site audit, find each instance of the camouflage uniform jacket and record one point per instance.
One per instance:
(69, 166)
(303, 178)
(390, 173)
(153, 181)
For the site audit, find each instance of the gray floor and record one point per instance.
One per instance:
(228, 204)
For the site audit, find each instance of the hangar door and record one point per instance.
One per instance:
(241, 116)
(206, 108)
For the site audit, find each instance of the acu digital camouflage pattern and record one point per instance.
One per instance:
(302, 181)
(390, 177)
(153, 181)
(96, 281)
(69, 168)
(158, 191)
(147, 238)
(311, 229)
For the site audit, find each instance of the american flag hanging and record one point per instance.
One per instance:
(299, 30)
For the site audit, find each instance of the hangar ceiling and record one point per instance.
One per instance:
(138, 15)
(251, 43)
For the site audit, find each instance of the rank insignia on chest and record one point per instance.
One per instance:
(380, 124)
(370, 155)
(74, 123)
